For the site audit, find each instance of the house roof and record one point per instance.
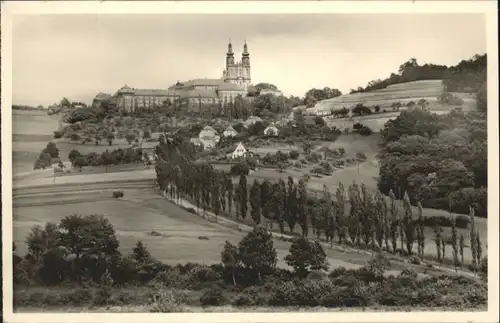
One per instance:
(203, 82)
(154, 92)
(252, 118)
(240, 144)
(204, 94)
(209, 128)
(126, 88)
(230, 87)
(231, 129)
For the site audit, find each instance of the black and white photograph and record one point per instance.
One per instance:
(283, 157)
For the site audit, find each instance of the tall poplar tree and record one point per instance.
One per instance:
(255, 202)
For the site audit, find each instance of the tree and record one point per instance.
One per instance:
(340, 209)
(408, 223)
(266, 193)
(107, 159)
(73, 154)
(305, 256)
(88, 237)
(420, 231)
(43, 161)
(394, 221)
(79, 162)
(277, 204)
(302, 208)
(438, 239)
(461, 245)
(454, 241)
(366, 215)
(243, 196)
(130, 137)
(380, 219)
(146, 135)
(481, 98)
(42, 240)
(141, 254)
(230, 258)
(52, 150)
(110, 136)
(257, 251)
(354, 219)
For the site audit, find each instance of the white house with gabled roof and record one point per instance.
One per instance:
(208, 133)
(240, 151)
(230, 132)
(271, 131)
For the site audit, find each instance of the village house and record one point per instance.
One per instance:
(209, 143)
(209, 133)
(229, 132)
(240, 151)
(196, 141)
(271, 131)
(251, 121)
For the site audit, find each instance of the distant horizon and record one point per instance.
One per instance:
(82, 55)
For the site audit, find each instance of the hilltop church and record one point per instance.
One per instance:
(192, 94)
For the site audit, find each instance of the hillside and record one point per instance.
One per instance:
(404, 92)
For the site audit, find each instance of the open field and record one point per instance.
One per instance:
(32, 130)
(135, 216)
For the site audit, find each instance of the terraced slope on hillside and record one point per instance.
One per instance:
(404, 92)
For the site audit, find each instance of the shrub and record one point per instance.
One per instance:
(355, 296)
(240, 168)
(102, 297)
(415, 260)
(408, 272)
(168, 301)
(305, 256)
(58, 134)
(361, 156)
(293, 154)
(77, 297)
(283, 295)
(212, 296)
(365, 131)
(118, 194)
(252, 296)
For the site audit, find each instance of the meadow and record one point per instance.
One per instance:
(176, 238)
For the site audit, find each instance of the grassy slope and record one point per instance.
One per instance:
(134, 217)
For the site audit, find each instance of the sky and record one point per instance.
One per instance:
(77, 56)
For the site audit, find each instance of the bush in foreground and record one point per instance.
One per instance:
(118, 194)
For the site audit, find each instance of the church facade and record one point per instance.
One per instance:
(194, 94)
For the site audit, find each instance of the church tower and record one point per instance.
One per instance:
(238, 72)
(245, 62)
(229, 56)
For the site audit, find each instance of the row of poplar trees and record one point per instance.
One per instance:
(353, 217)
